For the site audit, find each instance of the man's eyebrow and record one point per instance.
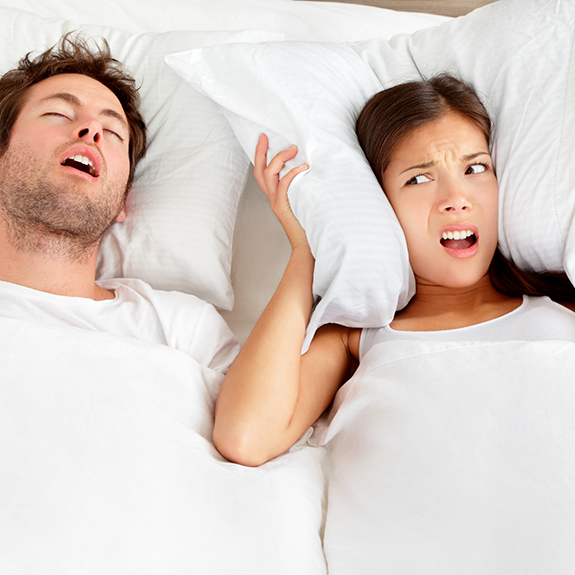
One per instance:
(66, 96)
(113, 114)
(75, 101)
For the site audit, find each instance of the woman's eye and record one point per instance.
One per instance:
(420, 179)
(476, 169)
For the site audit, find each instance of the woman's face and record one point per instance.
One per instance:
(441, 184)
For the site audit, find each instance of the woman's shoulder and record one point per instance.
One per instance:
(548, 303)
(567, 304)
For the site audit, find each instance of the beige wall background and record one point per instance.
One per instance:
(445, 7)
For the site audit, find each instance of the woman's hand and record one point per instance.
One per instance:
(271, 393)
(275, 188)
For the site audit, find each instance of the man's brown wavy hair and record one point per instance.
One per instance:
(73, 55)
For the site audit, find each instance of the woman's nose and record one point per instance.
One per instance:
(453, 199)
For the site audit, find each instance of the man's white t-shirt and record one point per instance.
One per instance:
(180, 321)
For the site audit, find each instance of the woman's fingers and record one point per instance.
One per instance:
(275, 188)
(260, 159)
(287, 179)
(267, 175)
(277, 162)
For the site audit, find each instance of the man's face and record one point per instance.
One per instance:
(67, 165)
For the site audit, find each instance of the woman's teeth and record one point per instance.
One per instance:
(457, 235)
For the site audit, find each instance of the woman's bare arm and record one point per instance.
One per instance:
(272, 394)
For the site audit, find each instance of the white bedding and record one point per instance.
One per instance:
(108, 467)
(452, 458)
(105, 442)
(317, 21)
(260, 250)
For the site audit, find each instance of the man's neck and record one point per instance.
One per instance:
(51, 269)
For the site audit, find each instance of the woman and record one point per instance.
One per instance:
(428, 144)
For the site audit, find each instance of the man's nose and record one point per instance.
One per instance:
(91, 131)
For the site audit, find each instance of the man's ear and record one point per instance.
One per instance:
(122, 215)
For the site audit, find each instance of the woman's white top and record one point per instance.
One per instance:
(536, 319)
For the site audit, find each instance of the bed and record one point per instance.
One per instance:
(110, 468)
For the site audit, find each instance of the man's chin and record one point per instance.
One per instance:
(58, 206)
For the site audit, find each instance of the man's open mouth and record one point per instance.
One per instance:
(81, 163)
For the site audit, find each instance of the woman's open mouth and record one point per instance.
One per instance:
(459, 243)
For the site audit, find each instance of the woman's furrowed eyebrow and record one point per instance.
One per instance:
(425, 166)
(419, 167)
(474, 155)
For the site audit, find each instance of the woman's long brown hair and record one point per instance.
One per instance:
(389, 116)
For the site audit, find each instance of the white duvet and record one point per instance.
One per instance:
(454, 459)
(106, 467)
(443, 459)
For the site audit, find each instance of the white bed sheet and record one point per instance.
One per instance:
(451, 458)
(108, 467)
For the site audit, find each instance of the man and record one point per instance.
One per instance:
(71, 136)
(107, 388)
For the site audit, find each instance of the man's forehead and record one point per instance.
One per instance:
(78, 90)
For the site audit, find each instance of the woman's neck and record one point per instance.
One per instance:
(434, 308)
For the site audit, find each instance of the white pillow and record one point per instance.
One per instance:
(516, 53)
(310, 21)
(308, 94)
(181, 210)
